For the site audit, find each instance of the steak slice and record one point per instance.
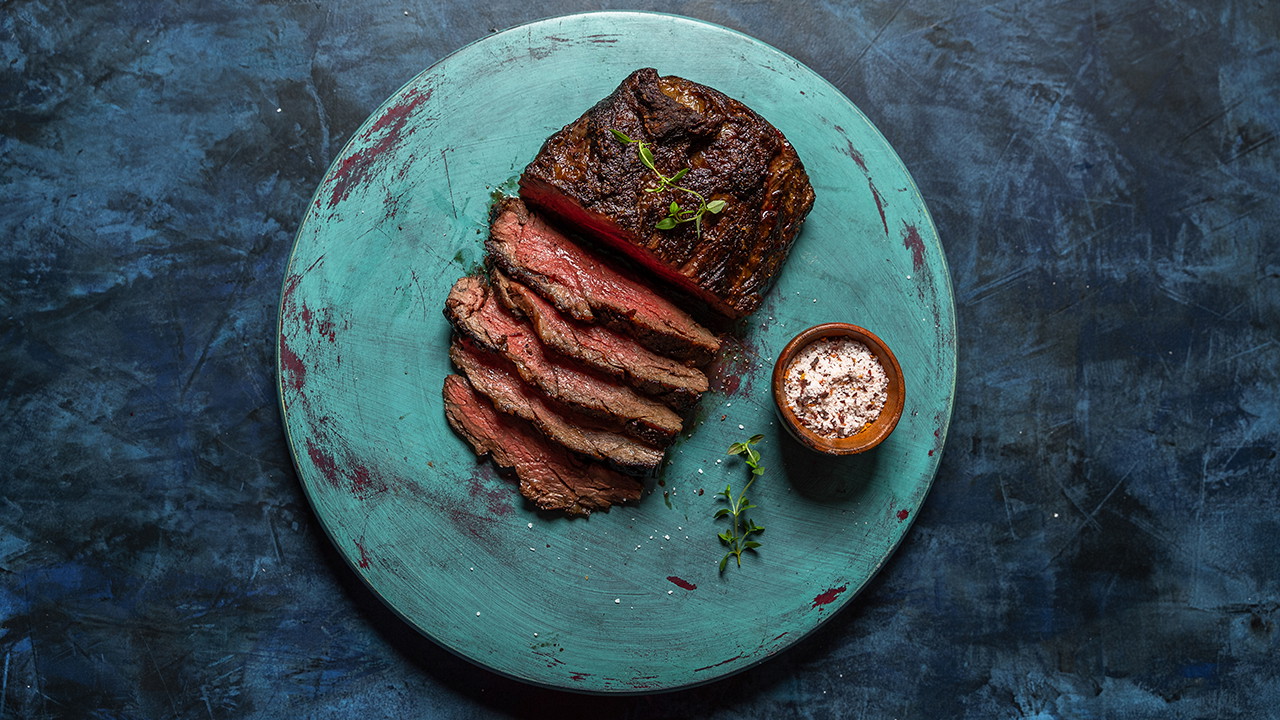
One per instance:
(588, 178)
(476, 313)
(589, 288)
(676, 384)
(496, 379)
(550, 476)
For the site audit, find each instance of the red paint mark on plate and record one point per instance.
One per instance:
(496, 500)
(681, 582)
(879, 205)
(938, 441)
(857, 156)
(325, 327)
(290, 285)
(356, 167)
(362, 480)
(579, 676)
(474, 525)
(911, 241)
(552, 660)
(356, 477)
(730, 372)
(829, 596)
(295, 372)
(722, 662)
(364, 556)
(325, 463)
(396, 115)
(903, 514)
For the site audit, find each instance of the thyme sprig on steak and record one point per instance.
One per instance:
(675, 214)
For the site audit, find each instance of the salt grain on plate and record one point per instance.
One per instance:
(836, 386)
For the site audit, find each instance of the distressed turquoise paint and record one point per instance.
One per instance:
(599, 605)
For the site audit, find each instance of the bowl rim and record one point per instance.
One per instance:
(870, 436)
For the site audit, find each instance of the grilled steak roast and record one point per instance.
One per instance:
(589, 288)
(550, 476)
(476, 313)
(588, 178)
(676, 384)
(495, 378)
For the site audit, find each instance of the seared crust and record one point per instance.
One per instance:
(586, 177)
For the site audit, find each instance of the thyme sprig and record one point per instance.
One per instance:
(738, 537)
(675, 213)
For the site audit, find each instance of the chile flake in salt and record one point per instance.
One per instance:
(836, 386)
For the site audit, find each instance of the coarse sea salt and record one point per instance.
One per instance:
(836, 386)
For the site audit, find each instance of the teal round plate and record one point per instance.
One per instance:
(631, 600)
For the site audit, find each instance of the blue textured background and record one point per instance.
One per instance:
(1100, 541)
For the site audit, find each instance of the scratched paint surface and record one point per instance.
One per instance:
(629, 601)
(1100, 539)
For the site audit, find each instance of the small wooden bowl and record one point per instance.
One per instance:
(870, 436)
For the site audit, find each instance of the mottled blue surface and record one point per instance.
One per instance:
(1100, 541)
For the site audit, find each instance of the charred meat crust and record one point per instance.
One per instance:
(549, 475)
(589, 288)
(586, 177)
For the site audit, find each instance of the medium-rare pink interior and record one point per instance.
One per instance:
(550, 476)
(590, 288)
(598, 347)
(475, 312)
(495, 378)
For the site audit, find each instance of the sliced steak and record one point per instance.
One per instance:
(610, 352)
(495, 378)
(589, 179)
(550, 476)
(476, 313)
(589, 288)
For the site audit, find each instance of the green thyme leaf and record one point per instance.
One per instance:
(743, 527)
(675, 214)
